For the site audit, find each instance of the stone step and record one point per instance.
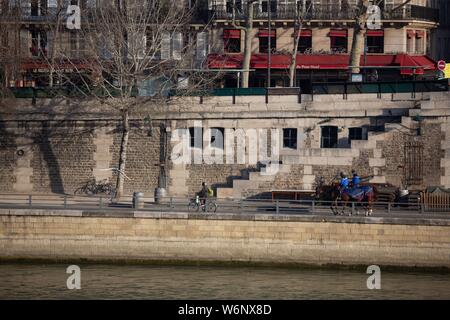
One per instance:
(225, 193)
(257, 177)
(243, 184)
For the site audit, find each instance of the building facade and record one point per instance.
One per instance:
(440, 43)
(325, 39)
(28, 39)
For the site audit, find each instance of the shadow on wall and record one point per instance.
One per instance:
(47, 154)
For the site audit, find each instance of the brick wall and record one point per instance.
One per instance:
(62, 157)
(62, 153)
(393, 150)
(7, 159)
(143, 158)
(279, 240)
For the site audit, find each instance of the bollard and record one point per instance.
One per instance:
(138, 203)
(278, 207)
(171, 203)
(100, 202)
(389, 207)
(313, 206)
(30, 200)
(353, 208)
(65, 202)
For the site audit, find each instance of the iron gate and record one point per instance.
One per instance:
(413, 163)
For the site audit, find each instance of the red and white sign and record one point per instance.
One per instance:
(441, 65)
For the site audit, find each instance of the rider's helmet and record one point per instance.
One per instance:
(343, 175)
(204, 184)
(354, 173)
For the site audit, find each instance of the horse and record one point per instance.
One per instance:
(364, 194)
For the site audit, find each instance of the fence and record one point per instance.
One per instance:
(439, 202)
(239, 206)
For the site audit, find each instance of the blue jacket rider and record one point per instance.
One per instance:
(343, 184)
(356, 180)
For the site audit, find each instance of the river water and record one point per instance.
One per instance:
(48, 281)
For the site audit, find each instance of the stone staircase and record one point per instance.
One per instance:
(253, 182)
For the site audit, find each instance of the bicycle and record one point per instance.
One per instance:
(195, 205)
(92, 187)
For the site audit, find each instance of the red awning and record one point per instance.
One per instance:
(420, 33)
(304, 33)
(225, 61)
(411, 33)
(231, 34)
(375, 33)
(338, 33)
(418, 64)
(39, 64)
(265, 33)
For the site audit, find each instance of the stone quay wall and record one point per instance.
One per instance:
(223, 238)
(46, 149)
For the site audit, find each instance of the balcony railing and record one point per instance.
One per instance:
(324, 12)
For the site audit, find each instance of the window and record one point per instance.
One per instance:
(265, 6)
(339, 44)
(196, 133)
(217, 137)
(171, 45)
(202, 45)
(304, 44)
(264, 41)
(420, 41)
(232, 40)
(237, 7)
(339, 41)
(329, 137)
(290, 138)
(375, 44)
(356, 134)
(375, 41)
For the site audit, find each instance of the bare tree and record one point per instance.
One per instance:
(248, 13)
(359, 28)
(129, 43)
(298, 27)
(9, 45)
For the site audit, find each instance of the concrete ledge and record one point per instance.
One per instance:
(141, 214)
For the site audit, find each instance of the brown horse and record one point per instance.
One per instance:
(366, 196)
(332, 193)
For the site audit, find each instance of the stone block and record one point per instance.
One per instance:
(377, 162)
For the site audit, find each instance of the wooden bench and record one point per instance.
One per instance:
(293, 194)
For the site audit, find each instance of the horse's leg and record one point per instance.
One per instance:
(370, 205)
(344, 205)
(334, 207)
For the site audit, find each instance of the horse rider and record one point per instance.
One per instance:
(343, 183)
(356, 180)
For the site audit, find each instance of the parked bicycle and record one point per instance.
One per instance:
(195, 205)
(92, 187)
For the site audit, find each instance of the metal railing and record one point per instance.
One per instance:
(241, 206)
(332, 11)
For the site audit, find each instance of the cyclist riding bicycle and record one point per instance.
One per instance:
(204, 193)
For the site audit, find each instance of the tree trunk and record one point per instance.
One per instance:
(293, 65)
(248, 46)
(123, 153)
(358, 36)
(357, 48)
